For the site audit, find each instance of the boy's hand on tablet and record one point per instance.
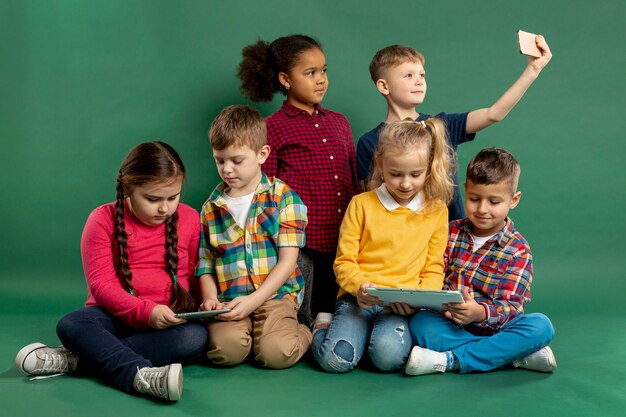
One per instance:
(467, 312)
(241, 307)
(211, 304)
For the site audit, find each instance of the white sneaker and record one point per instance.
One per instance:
(425, 361)
(322, 321)
(39, 359)
(542, 360)
(165, 382)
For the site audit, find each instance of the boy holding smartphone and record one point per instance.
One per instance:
(398, 73)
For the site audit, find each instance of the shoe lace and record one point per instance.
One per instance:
(55, 362)
(152, 381)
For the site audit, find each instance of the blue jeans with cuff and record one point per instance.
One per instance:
(353, 329)
(523, 335)
(109, 348)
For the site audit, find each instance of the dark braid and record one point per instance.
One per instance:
(181, 299)
(123, 269)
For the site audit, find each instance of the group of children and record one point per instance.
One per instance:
(146, 256)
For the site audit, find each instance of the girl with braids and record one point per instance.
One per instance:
(395, 237)
(312, 151)
(139, 256)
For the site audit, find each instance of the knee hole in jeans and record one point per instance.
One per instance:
(344, 350)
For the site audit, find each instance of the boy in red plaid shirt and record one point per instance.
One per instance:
(490, 262)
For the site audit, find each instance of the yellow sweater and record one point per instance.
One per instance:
(396, 249)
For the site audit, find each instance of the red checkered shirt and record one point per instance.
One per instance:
(314, 154)
(498, 274)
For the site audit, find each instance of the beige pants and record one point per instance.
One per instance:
(279, 341)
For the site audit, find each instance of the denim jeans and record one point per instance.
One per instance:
(109, 348)
(340, 347)
(520, 337)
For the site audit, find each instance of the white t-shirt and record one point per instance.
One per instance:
(239, 207)
(479, 241)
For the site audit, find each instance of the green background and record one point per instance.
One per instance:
(81, 82)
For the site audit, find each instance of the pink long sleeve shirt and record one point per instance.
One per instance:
(146, 256)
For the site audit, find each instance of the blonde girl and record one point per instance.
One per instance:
(393, 236)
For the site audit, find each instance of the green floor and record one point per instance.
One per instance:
(590, 380)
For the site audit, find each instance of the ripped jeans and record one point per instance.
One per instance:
(340, 347)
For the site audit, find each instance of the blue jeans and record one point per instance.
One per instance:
(518, 338)
(340, 347)
(109, 348)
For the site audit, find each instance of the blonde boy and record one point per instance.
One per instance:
(252, 229)
(399, 75)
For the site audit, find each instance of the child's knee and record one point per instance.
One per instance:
(340, 358)
(542, 327)
(280, 352)
(389, 349)
(228, 349)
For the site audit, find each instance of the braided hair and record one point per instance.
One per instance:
(150, 162)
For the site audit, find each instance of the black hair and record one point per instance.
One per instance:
(263, 61)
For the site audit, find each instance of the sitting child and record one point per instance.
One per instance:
(491, 264)
(252, 229)
(392, 237)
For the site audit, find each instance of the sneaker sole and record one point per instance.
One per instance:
(175, 382)
(23, 353)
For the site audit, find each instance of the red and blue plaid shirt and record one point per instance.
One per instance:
(498, 274)
(314, 154)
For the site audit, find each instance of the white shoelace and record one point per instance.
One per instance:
(53, 361)
(154, 376)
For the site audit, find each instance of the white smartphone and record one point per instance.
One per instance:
(527, 45)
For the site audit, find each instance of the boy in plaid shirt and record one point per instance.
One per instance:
(252, 229)
(491, 264)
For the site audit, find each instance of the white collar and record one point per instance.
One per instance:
(391, 204)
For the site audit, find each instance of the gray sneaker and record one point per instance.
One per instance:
(39, 359)
(165, 382)
(542, 360)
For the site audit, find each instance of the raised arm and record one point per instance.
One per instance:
(482, 118)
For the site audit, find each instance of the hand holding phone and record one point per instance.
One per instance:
(527, 44)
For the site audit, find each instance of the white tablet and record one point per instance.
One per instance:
(201, 314)
(416, 298)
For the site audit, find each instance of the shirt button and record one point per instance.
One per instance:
(317, 125)
(332, 157)
(335, 176)
(248, 246)
(339, 193)
(339, 210)
(324, 140)
(317, 112)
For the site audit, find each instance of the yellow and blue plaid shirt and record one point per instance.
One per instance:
(243, 258)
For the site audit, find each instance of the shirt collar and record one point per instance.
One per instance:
(291, 110)
(217, 196)
(391, 204)
(502, 237)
